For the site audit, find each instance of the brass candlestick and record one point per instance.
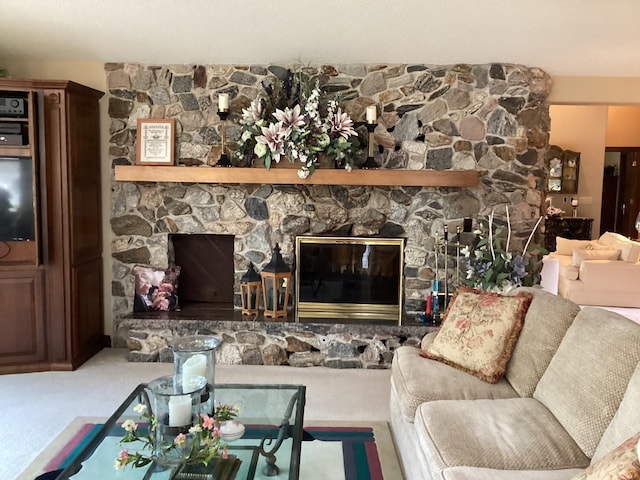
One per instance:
(370, 163)
(224, 158)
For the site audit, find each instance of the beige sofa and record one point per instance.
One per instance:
(568, 397)
(604, 272)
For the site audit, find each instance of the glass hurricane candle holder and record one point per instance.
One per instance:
(175, 405)
(194, 355)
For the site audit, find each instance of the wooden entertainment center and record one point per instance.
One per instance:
(51, 305)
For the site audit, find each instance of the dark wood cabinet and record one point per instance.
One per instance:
(56, 285)
(576, 228)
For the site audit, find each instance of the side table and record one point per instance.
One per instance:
(575, 228)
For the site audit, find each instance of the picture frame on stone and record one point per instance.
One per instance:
(156, 140)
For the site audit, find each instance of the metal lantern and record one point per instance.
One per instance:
(276, 279)
(250, 286)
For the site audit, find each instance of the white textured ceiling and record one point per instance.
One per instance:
(563, 37)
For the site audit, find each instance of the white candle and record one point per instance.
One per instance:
(196, 365)
(179, 410)
(223, 102)
(371, 114)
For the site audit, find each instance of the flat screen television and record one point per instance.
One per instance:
(17, 220)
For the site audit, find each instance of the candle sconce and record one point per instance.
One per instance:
(223, 113)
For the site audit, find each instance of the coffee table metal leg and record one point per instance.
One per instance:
(284, 432)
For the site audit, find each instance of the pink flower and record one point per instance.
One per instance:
(274, 137)
(474, 342)
(207, 421)
(290, 117)
(180, 440)
(342, 124)
(463, 324)
(487, 300)
(252, 114)
(122, 459)
(225, 453)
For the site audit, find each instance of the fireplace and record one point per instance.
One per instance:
(207, 271)
(349, 278)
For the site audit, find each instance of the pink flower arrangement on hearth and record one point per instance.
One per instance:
(199, 446)
(291, 121)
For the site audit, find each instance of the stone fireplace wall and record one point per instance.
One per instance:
(493, 118)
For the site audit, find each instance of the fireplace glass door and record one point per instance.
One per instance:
(346, 278)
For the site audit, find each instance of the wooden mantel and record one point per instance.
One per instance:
(284, 176)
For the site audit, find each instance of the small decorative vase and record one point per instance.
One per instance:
(175, 403)
(231, 430)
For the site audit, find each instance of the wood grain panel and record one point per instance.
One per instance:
(22, 321)
(207, 267)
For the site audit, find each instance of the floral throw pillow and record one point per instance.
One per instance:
(155, 289)
(619, 464)
(479, 332)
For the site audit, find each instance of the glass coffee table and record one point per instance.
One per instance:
(270, 448)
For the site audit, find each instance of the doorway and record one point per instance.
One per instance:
(620, 191)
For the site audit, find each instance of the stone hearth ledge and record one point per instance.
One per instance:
(271, 343)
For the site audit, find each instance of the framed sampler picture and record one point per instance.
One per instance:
(156, 141)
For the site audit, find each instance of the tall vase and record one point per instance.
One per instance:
(195, 355)
(175, 404)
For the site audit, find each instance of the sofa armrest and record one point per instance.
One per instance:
(607, 275)
(427, 340)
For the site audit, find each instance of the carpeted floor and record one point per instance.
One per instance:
(347, 451)
(41, 405)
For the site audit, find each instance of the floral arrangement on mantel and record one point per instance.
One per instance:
(202, 444)
(293, 120)
(492, 266)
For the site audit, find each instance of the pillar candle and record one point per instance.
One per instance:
(223, 102)
(195, 365)
(371, 114)
(429, 309)
(179, 410)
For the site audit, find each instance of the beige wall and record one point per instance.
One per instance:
(595, 91)
(623, 126)
(582, 130)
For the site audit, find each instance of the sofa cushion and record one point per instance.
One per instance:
(479, 332)
(588, 375)
(580, 255)
(570, 272)
(566, 246)
(503, 434)
(609, 238)
(547, 320)
(475, 473)
(417, 380)
(626, 421)
(630, 250)
(622, 463)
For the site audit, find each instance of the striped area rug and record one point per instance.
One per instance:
(360, 451)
